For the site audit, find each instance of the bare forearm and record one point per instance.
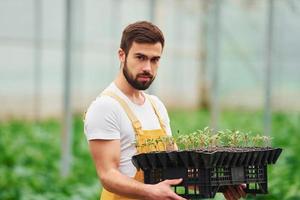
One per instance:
(113, 180)
(117, 183)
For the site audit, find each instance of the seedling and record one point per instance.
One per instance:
(208, 161)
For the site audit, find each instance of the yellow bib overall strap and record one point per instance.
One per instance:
(135, 122)
(140, 135)
(156, 112)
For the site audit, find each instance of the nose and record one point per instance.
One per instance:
(147, 66)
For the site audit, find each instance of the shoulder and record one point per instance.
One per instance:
(103, 110)
(104, 105)
(102, 119)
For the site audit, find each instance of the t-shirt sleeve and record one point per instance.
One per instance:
(164, 114)
(102, 120)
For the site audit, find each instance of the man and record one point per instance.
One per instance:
(123, 114)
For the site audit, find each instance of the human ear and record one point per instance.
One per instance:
(121, 55)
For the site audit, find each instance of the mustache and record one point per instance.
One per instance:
(145, 74)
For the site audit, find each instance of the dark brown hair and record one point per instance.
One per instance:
(141, 32)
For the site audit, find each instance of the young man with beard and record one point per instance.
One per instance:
(124, 114)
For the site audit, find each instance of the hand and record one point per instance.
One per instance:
(234, 192)
(163, 191)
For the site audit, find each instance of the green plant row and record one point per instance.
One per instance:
(205, 138)
(30, 156)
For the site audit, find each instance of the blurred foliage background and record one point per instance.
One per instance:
(226, 64)
(30, 155)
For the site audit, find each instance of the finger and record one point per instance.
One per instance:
(233, 193)
(227, 195)
(174, 196)
(241, 191)
(173, 181)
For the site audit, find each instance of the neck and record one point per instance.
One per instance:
(136, 96)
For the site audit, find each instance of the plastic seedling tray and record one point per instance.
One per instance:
(206, 172)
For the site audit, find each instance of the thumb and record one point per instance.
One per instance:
(173, 181)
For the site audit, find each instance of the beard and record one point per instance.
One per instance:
(134, 82)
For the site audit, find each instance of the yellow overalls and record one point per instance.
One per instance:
(140, 135)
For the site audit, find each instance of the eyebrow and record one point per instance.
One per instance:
(141, 54)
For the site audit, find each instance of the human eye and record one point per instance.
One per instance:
(154, 60)
(141, 57)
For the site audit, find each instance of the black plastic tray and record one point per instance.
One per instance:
(206, 173)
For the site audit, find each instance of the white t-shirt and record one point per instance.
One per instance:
(107, 120)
